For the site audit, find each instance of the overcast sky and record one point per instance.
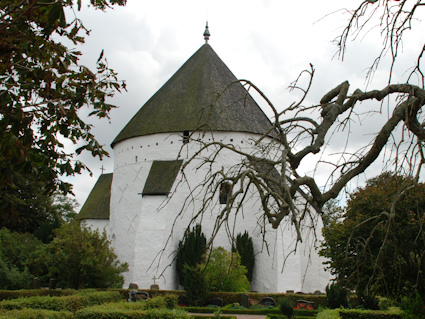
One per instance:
(268, 42)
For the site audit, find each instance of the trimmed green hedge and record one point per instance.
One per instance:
(367, 314)
(71, 303)
(232, 311)
(274, 316)
(357, 314)
(227, 297)
(36, 313)
(125, 310)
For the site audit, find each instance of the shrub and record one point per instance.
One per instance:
(81, 258)
(37, 313)
(384, 303)
(275, 316)
(191, 251)
(165, 314)
(123, 310)
(286, 307)
(16, 252)
(71, 303)
(224, 272)
(167, 302)
(196, 286)
(412, 306)
(328, 314)
(367, 314)
(245, 248)
(337, 296)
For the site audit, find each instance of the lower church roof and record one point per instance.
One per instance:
(97, 204)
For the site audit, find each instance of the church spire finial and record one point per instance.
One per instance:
(206, 34)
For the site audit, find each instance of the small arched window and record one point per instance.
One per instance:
(225, 188)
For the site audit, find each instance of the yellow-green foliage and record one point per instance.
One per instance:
(328, 314)
(357, 314)
(68, 303)
(128, 310)
(168, 302)
(36, 314)
(368, 314)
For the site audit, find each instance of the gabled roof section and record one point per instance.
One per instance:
(198, 97)
(97, 204)
(161, 177)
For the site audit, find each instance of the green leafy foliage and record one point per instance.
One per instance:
(42, 90)
(191, 251)
(413, 306)
(27, 207)
(328, 314)
(195, 285)
(224, 272)
(337, 296)
(286, 307)
(81, 258)
(152, 308)
(37, 313)
(377, 249)
(245, 248)
(16, 253)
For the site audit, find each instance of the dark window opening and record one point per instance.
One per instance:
(185, 137)
(225, 189)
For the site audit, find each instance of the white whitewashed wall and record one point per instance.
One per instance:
(145, 231)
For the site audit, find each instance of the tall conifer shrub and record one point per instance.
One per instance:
(191, 251)
(243, 245)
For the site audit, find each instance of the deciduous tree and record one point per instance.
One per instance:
(82, 258)
(43, 89)
(224, 272)
(378, 247)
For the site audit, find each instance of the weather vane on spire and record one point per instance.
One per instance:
(206, 34)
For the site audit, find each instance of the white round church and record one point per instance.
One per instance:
(158, 185)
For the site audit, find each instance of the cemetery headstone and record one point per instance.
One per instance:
(268, 301)
(216, 301)
(133, 286)
(245, 300)
(36, 283)
(52, 283)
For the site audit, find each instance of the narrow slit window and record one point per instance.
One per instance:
(185, 137)
(225, 189)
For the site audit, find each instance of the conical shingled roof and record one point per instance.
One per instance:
(198, 97)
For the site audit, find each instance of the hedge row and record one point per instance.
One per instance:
(70, 303)
(357, 314)
(13, 294)
(366, 314)
(150, 309)
(227, 297)
(36, 313)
